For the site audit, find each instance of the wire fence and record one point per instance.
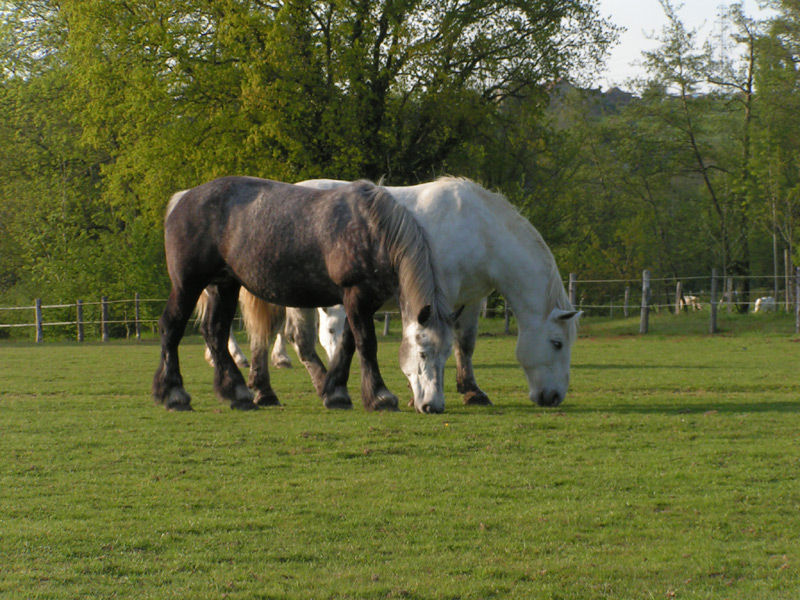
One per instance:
(103, 319)
(712, 293)
(614, 298)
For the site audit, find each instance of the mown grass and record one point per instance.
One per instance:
(670, 472)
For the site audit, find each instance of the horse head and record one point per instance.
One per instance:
(545, 353)
(426, 345)
(332, 320)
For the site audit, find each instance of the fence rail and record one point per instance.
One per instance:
(678, 294)
(109, 317)
(128, 317)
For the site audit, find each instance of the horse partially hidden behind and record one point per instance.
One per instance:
(301, 247)
(764, 304)
(331, 321)
(481, 243)
(690, 302)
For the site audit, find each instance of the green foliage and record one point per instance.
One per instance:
(661, 476)
(694, 172)
(107, 108)
(113, 106)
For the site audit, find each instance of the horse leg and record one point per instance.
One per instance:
(236, 352)
(334, 387)
(228, 381)
(301, 332)
(167, 381)
(280, 358)
(374, 393)
(465, 334)
(263, 320)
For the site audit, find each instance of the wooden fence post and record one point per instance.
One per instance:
(104, 317)
(797, 300)
(386, 318)
(507, 327)
(79, 309)
(729, 294)
(712, 328)
(627, 301)
(573, 281)
(137, 316)
(39, 330)
(645, 320)
(788, 278)
(678, 298)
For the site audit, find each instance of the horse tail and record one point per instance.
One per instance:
(201, 308)
(261, 318)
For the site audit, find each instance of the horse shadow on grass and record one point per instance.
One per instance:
(689, 408)
(695, 406)
(570, 407)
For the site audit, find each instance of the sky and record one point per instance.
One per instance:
(645, 18)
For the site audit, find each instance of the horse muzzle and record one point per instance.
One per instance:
(430, 409)
(548, 398)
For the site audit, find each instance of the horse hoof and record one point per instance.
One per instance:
(338, 401)
(386, 401)
(178, 401)
(266, 399)
(242, 398)
(242, 363)
(477, 398)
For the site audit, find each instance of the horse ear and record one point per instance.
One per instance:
(559, 314)
(424, 315)
(455, 315)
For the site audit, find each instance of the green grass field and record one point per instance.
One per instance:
(671, 471)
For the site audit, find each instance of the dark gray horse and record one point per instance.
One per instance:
(300, 247)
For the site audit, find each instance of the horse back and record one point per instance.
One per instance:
(287, 244)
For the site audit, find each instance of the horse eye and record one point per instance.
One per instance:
(423, 356)
(557, 344)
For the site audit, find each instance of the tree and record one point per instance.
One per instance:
(140, 98)
(716, 152)
(775, 163)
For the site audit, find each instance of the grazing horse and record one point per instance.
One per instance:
(297, 246)
(764, 304)
(481, 243)
(690, 302)
(331, 321)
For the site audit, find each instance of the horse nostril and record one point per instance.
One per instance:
(426, 409)
(549, 398)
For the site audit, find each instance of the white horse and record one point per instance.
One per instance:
(690, 302)
(765, 303)
(331, 321)
(482, 243)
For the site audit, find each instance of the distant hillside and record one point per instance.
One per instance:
(601, 103)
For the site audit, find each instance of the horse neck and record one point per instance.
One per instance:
(527, 277)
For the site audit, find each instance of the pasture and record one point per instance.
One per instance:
(671, 471)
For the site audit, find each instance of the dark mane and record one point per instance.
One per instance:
(411, 254)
